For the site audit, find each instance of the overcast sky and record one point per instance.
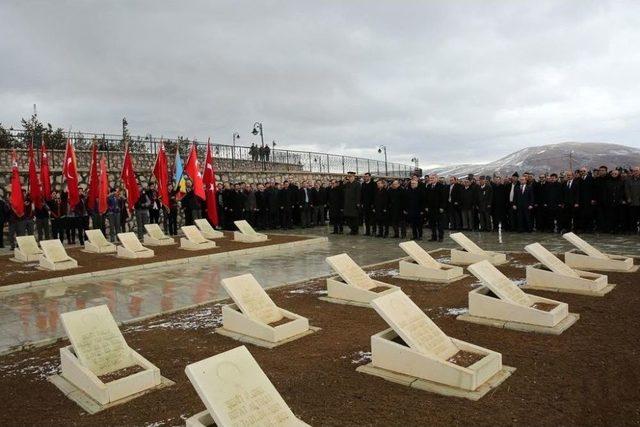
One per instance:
(447, 81)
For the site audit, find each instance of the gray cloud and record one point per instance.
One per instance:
(448, 81)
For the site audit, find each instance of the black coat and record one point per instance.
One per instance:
(571, 195)
(381, 204)
(485, 197)
(523, 200)
(367, 193)
(335, 202)
(397, 202)
(352, 198)
(415, 203)
(468, 198)
(552, 195)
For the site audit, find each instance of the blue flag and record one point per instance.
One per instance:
(179, 168)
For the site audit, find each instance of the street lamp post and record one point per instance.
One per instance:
(383, 148)
(255, 131)
(233, 153)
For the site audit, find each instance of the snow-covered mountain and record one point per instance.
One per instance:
(550, 158)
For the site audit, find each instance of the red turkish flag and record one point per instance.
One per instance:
(160, 171)
(45, 173)
(103, 191)
(94, 185)
(17, 201)
(70, 173)
(34, 182)
(129, 180)
(193, 171)
(209, 181)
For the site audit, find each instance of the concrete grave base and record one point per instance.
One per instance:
(613, 263)
(599, 293)
(432, 280)
(201, 419)
(92, 406)
(559, 328)
(263, 343)
(439, 388)
(345, 302)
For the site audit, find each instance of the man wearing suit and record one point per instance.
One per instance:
(453, 203)
(587, 201)
(351, 205)
(368, 191)
(485, 198)
(523, 205)
(436, 202)
(512, 189)
(305, 198)
(552, 204)
(570, 201)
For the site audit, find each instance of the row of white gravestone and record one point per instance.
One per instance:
(230, 384)
(52, 255)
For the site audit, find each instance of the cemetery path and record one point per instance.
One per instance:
(586, 376)
(32, 315)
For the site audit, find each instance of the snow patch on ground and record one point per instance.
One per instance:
(42, 370)
(455, 311)
(384, 272)
(519, 282)
(361, 357)
(309, 291)
(203, 318)
(444, 259)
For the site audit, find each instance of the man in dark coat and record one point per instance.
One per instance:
(485, 199)
(523, 204)
(587, 201)
(381, 209)
(285, 202)
(467, 203)
(436, 196)
(453, 203)
(499, 202)
(352, 199)
(552, 204)
(415, 209)
(570, 201)
(397, 208)
(273, 205)
(335, 200)
(367, 192)
(229, 203)
(512, 188)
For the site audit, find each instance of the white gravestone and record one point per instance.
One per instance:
(194, 240)
(132, 248)
(27, 249)
(560, 277)
(356, 287)
(510, 306)
(472, 253)
(156, 237)
(424, 267)
(425, 353)
(236, 392)
(98, 348)
(593, 259)
(207, 230)
(97, 243)
(247, 234)
(54, 256)
(254, 311)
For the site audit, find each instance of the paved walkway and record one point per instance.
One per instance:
(33, 315)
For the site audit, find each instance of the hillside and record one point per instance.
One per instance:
(550, 158)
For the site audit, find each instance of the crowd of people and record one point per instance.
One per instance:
(585, 201)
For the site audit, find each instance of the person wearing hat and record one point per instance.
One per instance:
(351, 204)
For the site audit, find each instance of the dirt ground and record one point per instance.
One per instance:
(14, 272)
(589, 375)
